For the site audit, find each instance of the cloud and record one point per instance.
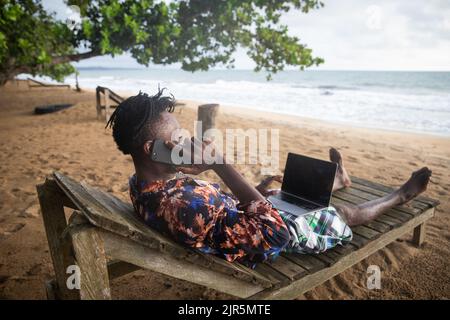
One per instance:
(357, 35)
(369, 35)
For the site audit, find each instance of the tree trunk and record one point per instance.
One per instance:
(11, 70)
(3, 79)
(7, 75)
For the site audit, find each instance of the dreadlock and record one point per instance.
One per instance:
(134, 116)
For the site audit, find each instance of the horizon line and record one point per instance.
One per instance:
(262, 71)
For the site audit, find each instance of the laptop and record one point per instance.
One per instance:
(307, 185)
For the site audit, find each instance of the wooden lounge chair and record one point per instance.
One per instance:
(32, 83)
(106, 239)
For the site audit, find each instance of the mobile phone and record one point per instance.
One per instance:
(161, 153)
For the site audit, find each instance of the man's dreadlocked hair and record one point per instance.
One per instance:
(134, 116)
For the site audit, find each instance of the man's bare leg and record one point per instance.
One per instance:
(342, 179)
(365, 212)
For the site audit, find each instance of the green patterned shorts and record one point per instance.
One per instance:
(316, 232)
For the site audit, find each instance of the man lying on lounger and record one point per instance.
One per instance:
(242, 226)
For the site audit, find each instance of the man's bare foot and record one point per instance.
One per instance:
(342, 178)
(415, 185)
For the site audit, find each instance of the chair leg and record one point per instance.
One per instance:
(419, 234)
(91, 259)
(107, 105)
(98, 103)
(51, 289)
(52, 208)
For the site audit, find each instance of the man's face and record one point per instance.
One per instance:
(163, 129)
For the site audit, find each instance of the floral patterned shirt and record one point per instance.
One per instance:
(198, 214)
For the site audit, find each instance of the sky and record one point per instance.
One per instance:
(352, 35)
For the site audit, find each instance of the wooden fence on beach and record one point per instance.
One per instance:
(111, 100)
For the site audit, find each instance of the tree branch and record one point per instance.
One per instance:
(75, 57)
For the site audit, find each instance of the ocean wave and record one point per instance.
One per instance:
(336, 87)
(409, 110)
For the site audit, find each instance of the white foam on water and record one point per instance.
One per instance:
(417, 109)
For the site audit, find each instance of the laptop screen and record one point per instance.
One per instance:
(308, 178)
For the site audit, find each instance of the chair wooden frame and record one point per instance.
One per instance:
(106, 239)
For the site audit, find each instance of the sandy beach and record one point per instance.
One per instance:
(75, 143)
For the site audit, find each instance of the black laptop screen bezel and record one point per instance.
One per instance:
(323, 188)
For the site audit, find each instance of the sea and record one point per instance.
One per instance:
(400, 101)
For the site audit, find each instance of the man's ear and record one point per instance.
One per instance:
(148, 147)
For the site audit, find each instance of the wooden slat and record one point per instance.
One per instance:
(113, 96)
(107, 212)
(237, 270)
(337, 253)
(276, 278)
(397, 216)
(329, 261)
(378, 226)
(392, 222)
(287, 268)
(107, 105)
(314, 262)
(118, 268)
(109, 96)
(51, 200)
(366, 232)
(310, 281)
(345, 249)
(358, 241)
(100, 212)
(124, 249)
(306, 261)
(91, 259)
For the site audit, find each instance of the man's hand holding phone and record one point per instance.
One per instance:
(232, 178)
(194, 151)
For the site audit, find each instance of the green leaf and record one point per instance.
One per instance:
(198, 34)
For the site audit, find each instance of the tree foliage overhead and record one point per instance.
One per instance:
(198, 34)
